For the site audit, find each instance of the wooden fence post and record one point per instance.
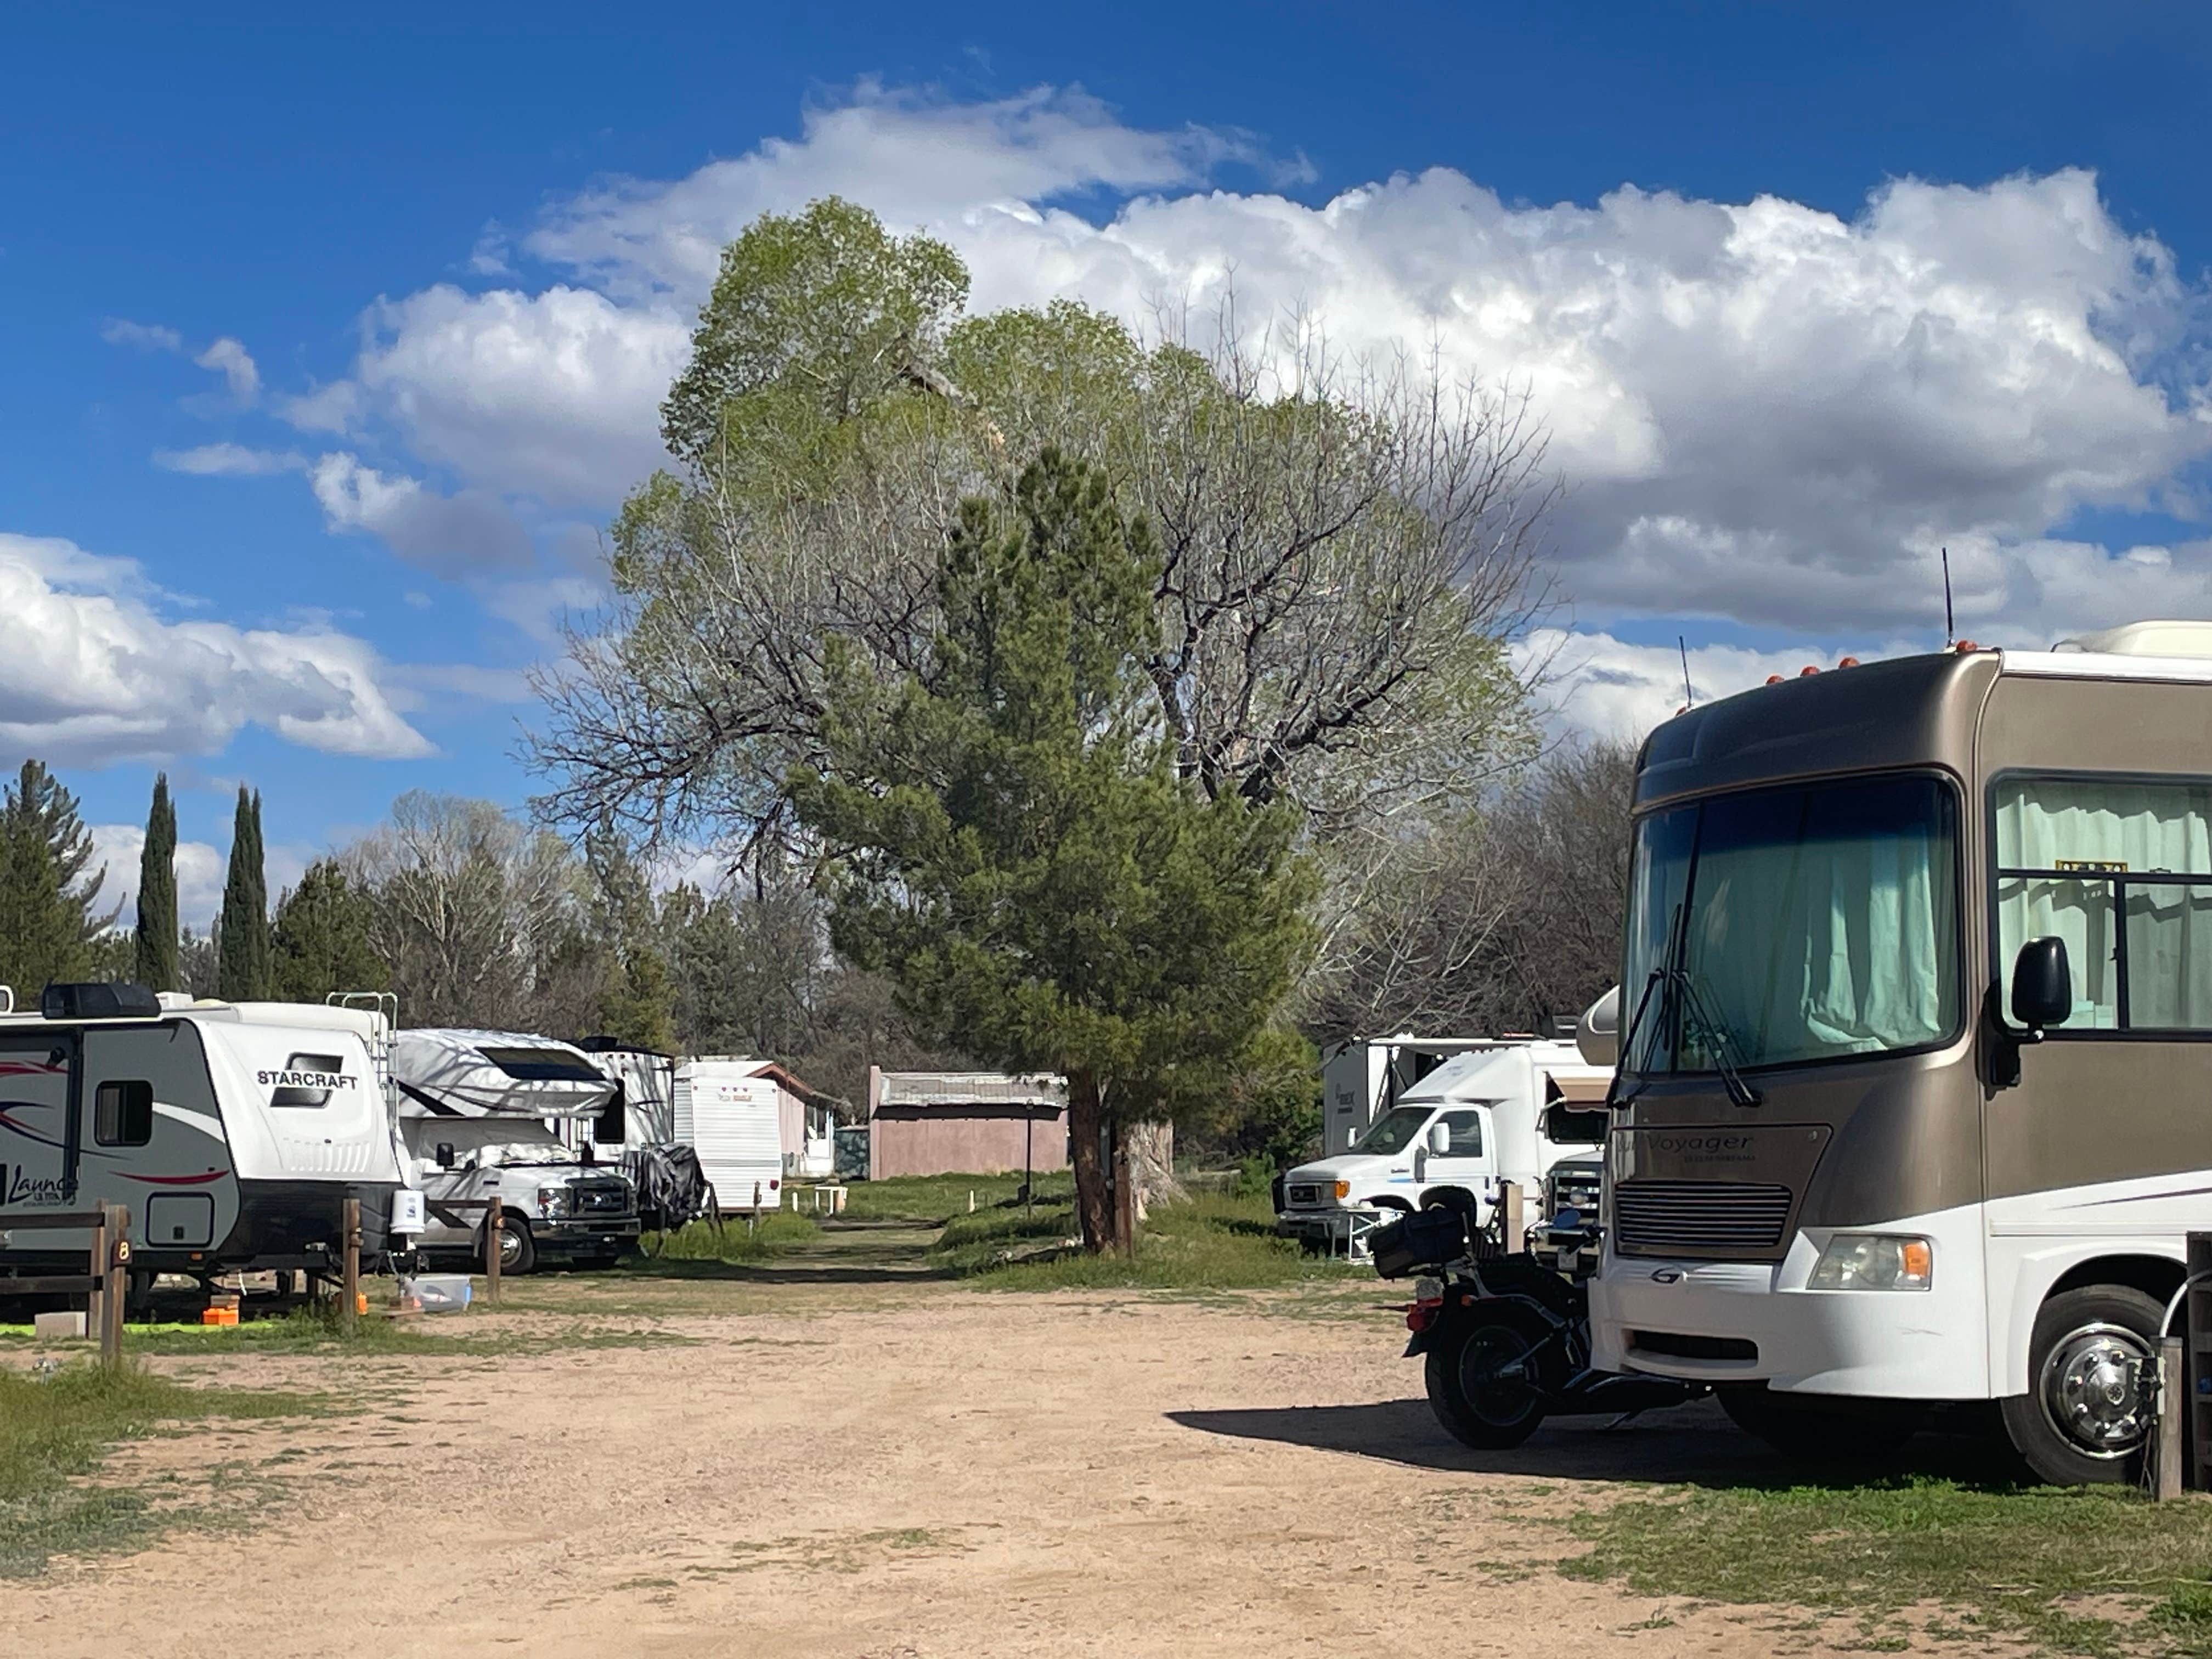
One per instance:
(115, 1281)
(95, 1263)
(2173, 1418)
(1511, 1224)
(349, 1284)
(491, 1252)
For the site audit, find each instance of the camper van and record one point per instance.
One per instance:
(1915, 1039)
(729, 1110)
(480, 1117)
(233, 1132)
(1498, 1110)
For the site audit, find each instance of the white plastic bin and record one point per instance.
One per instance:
(436, 1293)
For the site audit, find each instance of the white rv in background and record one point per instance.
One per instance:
(729, 1111)
(478, 1116)
(641, 1113)
(1499, 1110)
(1362, 1079)
(232, 1131)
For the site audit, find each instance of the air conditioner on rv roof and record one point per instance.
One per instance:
(2146, 639)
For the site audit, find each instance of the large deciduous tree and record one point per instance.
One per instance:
(1013, 841)
(1344, 549)
(155, 943)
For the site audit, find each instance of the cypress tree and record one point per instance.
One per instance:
(319, 942)
(243, 971)
(154, 960)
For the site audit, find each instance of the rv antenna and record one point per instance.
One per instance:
(1689, 696)
(1950, 628)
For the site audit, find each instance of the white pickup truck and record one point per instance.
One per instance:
(1506, 1113)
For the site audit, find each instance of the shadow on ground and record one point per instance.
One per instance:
(1694, 1445)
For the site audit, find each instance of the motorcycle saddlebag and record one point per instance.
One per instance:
(1427, 1238)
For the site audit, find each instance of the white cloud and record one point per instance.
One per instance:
(1768, 414)
(91, 672)
(228, 460)
(147, 337)
(555, 395)
(1596, 682)
(450, 535)
(227, 358)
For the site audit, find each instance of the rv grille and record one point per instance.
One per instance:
(1303, 1194)
(1658, 1218)
(603, 1198)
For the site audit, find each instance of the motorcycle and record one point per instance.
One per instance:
(1505, 1335)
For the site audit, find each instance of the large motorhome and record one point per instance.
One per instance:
(1915, 1032)
(481, 1116)
(232, 1131)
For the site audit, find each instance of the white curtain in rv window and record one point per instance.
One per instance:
(2093, 830)
(1829, 943)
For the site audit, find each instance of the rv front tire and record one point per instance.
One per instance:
(518, 1251)
(2085, 1415)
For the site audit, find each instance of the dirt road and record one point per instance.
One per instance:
(863, 1472)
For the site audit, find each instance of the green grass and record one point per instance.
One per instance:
(934, 1200)
(734, 1240)
(1212, 1241)
(54, 1432)
(316, 1330)
(2015, 1561)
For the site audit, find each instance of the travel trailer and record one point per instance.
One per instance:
(480, 1117)
(641, 1111)
(730, 1112)
(234, 1133)
(1915, 1038)
(1497, 1111)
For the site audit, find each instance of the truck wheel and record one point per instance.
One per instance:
(1481, 1407)
(2087, 1408)
(1823, 1432)
(518, 1251)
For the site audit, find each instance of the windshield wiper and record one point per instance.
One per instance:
(1681, 996)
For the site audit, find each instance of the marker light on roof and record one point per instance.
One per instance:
(1807, 672)
(1847, 662)
(1774, 679)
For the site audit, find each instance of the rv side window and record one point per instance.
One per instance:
(123, 1113)
(1466, 1133)
(2121, 869)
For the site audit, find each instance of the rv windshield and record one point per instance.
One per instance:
(1394, 1131)
(1781, 926)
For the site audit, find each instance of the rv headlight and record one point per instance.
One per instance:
(1875, 1261)
(554, 1200)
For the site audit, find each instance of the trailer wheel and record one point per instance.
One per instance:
(1479, 1406)
(518, 1251)
(1823, 1432)
(2087, 1412)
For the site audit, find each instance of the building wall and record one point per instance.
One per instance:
(914, 1140)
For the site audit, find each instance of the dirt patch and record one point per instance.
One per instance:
(944, 1472)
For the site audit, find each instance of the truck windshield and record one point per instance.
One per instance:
(1394, 1130)
(1787, 925)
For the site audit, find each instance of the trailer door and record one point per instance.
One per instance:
(39, 1133)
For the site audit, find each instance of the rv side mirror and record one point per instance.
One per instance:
(1439, 1140)
(444, 1154)
(2042, 985)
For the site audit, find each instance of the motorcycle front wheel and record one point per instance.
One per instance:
(1472, 1389)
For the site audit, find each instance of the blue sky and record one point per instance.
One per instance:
(450, 260)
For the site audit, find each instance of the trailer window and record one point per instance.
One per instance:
(2121, 869)
(123, 1113)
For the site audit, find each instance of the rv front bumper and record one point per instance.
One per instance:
(1730, 1322)
(583, 1234)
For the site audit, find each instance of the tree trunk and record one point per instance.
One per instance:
(1085, 1133)
(1125, 1189)
(1152, 1165)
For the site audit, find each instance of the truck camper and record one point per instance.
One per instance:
(233, 1132)
(482, 1116)
(1915, 1036)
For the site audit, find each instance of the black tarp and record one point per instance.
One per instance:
(671, 1187)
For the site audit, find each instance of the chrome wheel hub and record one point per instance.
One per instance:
(2091, 1389)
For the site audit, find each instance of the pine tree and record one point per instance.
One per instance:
(154, 958)
(243, 944)
(320, 940)
(1021, 856)
(47, 922)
